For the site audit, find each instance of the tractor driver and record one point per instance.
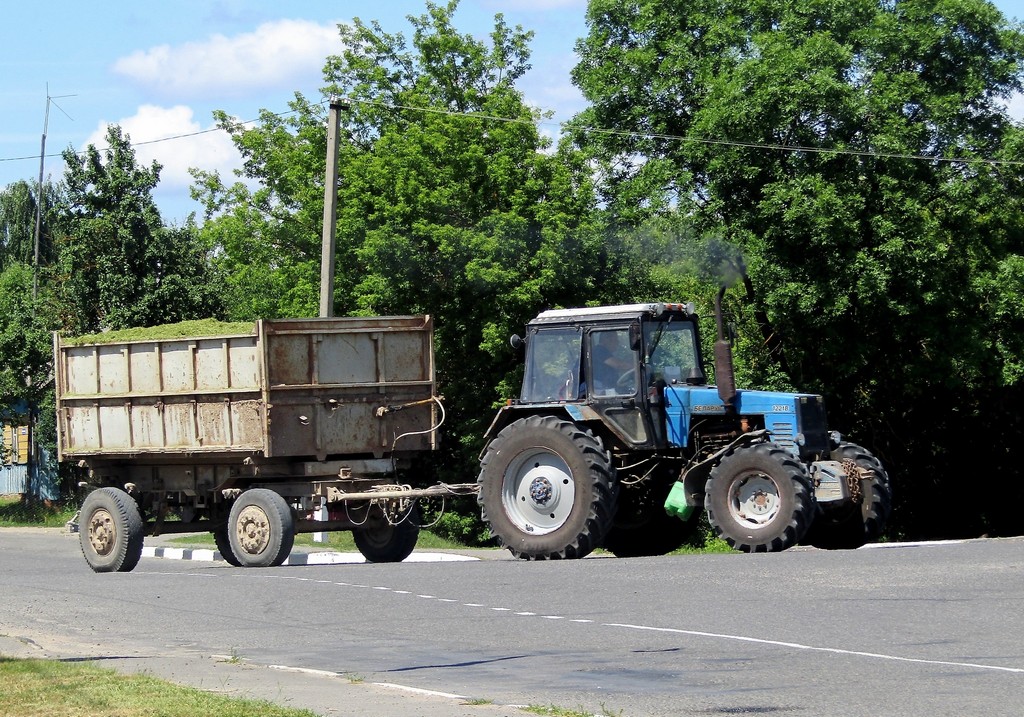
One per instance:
(611, 360)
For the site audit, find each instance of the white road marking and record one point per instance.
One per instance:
(680, 631)
(419, 691)
(798, 646)
(305, 670)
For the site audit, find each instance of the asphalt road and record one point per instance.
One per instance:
(904, 630)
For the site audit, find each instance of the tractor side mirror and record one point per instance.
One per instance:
(516, 341)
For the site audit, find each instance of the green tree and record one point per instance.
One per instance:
(451, 203)
(118, 266)
(26, 343)
(844, 148)
(18, 206)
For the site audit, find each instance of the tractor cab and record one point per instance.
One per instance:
(611, 364)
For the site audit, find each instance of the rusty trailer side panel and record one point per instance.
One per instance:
(293, 388)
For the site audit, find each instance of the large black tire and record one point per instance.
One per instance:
(861, 520)
(547, 489)
(642, 527)
(381, 542)
(758, 499)
(222, 538)
(261, 529)
(111, 531)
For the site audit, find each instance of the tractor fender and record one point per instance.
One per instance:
(577, 413)
(694, 477)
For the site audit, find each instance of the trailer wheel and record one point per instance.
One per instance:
(547, 489)
(111, 531)
(758, 499)
(261, 528)
(222, 538)
(381, 542)
(862, 519)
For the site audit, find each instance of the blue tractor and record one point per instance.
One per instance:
(617, 441)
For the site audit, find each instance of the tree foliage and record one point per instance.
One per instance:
(450, 202)
(844, 147)
(26, 345)
(118, 266)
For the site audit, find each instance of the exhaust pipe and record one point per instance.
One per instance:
(725, 374)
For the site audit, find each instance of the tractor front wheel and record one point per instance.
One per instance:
(758, 499)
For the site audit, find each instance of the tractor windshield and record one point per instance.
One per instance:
(672, 352)
(553, 366)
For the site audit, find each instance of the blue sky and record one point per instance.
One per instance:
(159, 69)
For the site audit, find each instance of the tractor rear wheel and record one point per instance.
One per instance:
(861, 519)
(547, 489)
(758, 499)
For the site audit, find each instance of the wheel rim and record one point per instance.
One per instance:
(102, 532)
(538, 492)
(754, 500)
(253, 530)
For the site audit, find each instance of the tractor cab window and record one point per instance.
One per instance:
(672, 353)
(613, 363)
(553, 366)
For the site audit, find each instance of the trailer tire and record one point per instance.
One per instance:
(758, 499)
(547, 489)
(111, 531)
(261, 529)
(222, 539)
(382, 542)
(855, 523)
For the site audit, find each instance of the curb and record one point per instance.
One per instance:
(317, 558)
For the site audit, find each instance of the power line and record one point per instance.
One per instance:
(840, 151)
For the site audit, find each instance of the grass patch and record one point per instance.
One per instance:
(41, 688)
(712, 544)
(202, 328)
(553, 711)
(14, 512)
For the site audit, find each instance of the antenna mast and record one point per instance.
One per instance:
(39, 191)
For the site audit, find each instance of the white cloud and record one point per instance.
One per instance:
(282, 53)
(211, 150)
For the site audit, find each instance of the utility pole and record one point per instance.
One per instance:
(39, 190)
(34, 453)
(329, 243)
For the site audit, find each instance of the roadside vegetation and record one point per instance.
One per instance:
(34, 688)
(16, 512)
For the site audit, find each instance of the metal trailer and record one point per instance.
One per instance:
(251, 436)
